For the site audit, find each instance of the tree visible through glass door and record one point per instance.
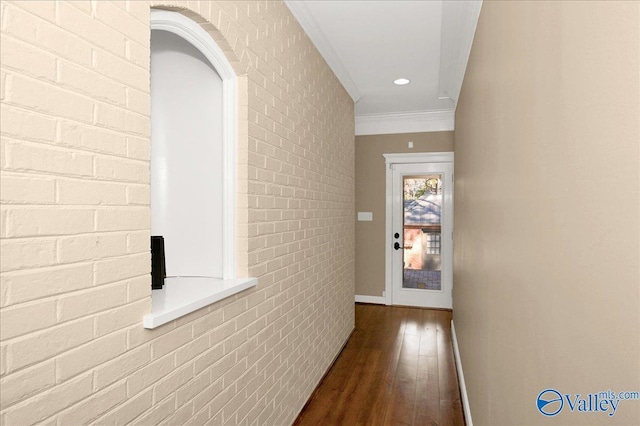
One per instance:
(422, 231)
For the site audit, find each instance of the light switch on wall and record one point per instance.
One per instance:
(365, 216)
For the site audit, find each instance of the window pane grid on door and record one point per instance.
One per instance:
(433, 242)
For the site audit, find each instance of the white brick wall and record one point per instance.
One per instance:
(75, 223)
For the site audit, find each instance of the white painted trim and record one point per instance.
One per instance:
(229, 152)
(459, 21)
(419, 157)
(406, 122)
(305, 18)
(189, 30)
(388, 241)
(461, 382)
(182, 295)
(371, 299)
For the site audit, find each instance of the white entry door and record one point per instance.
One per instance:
(420, 252)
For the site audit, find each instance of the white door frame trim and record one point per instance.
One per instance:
(390, 160)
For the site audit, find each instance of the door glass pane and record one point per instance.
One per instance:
(422, 232)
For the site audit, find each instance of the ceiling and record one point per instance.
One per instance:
(369, 44)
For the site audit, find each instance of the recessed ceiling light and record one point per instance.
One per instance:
(401, 81)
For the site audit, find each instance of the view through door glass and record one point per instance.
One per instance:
(422, 200)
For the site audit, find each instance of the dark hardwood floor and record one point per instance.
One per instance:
(396, 369)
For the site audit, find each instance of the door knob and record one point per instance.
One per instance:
(396, 235)
(397, 246)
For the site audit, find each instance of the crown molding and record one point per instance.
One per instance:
(459, 22)
(311, 27)
(408, 122)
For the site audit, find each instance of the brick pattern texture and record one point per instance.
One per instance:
(75, 220)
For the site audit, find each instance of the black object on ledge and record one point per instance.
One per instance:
(158, 266)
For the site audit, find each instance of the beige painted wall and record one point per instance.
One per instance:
(370, 197)
(547, 197)
(75, 223)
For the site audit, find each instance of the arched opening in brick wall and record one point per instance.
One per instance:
(193, 169)
(193, 148)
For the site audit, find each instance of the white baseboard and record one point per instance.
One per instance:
(378, 300)
(461, 382)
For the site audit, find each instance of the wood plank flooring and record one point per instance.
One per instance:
(396, 369)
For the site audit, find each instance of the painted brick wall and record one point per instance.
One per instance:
(75, 223)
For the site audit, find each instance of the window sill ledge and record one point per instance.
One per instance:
(183, 295)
